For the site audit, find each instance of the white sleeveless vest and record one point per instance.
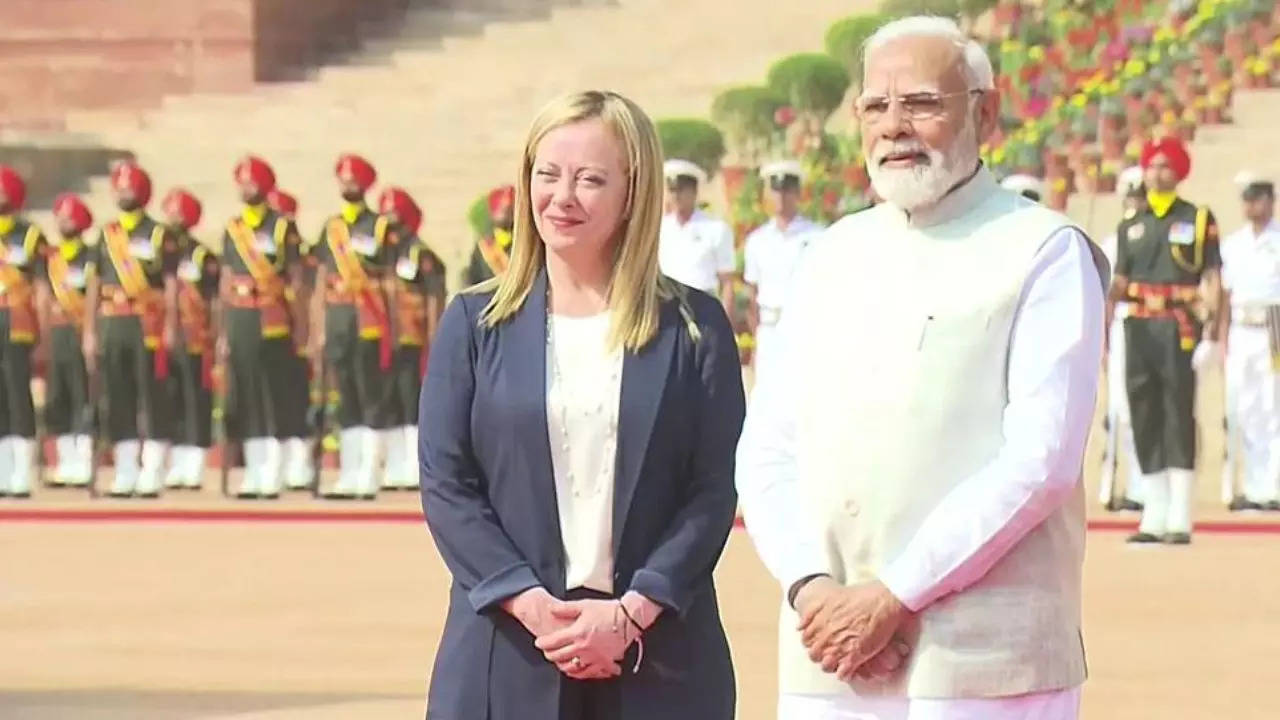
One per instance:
(909, 405)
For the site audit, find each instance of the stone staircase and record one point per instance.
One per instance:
(444, 113)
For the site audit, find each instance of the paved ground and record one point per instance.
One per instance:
(280, 621)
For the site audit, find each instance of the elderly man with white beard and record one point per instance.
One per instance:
(915, 485)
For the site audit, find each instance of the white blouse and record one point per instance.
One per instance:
(584, 386)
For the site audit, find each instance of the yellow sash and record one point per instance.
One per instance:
(345, 257)
(263, 272)
(71, 299)
(129, 271)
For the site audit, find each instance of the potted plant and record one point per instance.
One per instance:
(1058, 192)
(814, 84)
(845, 38)
(692, 139)
(1111, 133)
(747, 117)
(1108, 171)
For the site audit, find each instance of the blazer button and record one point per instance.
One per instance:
(852, 507)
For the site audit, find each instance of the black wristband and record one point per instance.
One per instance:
(627, 615)
(798, 585)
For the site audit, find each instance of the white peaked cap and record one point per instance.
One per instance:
(783, 167)
(1245, 178)
(1022, 183)
(683, 168)
(1129, 178)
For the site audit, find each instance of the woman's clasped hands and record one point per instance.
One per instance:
(584, 639)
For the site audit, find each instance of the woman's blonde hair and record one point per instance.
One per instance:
(636, 288)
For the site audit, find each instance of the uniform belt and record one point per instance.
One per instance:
(1162, 301)
(117, 303)
(770, 315)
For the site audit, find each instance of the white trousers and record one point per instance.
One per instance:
(1253, 406)
(767, 350)
(1056, 705)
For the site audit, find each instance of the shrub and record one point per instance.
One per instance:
(692, 139)
(814, 83)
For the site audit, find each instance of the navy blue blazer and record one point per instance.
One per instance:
(488, 492)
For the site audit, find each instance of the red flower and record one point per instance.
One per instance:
(784, 116)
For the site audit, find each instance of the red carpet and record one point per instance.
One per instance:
(174, 515)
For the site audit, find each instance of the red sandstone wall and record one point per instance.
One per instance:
(60, 55)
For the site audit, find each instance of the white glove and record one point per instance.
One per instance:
(1206, 355)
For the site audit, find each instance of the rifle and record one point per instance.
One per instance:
(94, 409)
(1110, 463)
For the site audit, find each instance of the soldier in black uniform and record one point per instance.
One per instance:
(419, 302)
(493, 251)
(261, 274)
(1164, 252)
(66, 406)
(130, 327)
(191, 376)
(356, 330)
(22, 248)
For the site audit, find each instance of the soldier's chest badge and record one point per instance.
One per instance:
(406, 268)
(1181, 233)
(16, 255)
(189, 271)
(1136, 231)
(366, 245)
(264, 243)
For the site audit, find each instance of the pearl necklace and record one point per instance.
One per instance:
(604, 410)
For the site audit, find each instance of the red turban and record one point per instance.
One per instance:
(353, 168)
(1173, 151)
(71, 207)
(501, 197)
(127, 175)
(182, 206)
(255, 170)
(401, 203)
(282, 202)
(15, 189)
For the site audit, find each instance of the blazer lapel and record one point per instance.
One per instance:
(644, 381)
(526, 369)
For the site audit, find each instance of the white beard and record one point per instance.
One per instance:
(923, 185)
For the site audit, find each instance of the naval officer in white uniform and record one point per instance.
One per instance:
(695, 247)
(771, 255)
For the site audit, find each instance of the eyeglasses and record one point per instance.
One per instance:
(915, 106)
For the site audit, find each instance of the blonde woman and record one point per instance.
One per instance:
(576, 440)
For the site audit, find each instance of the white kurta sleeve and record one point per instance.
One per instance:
(1054, 363)
(767, 475)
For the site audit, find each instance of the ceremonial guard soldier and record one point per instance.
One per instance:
(21, 277)
(1251, 278)
(261, 272)
(694, 247)
(298, 469)
(772, 253)
(1165, 253)
(420, 292)
(191, 372)
(492, 252)
(130, 326)
(67, 407)
(355, 333)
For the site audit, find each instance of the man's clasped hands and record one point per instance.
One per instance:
(851, 631)
(585, 639)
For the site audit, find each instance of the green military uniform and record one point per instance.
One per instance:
(132, 258)
(22, 248)
(67, 410)
(355, 253)
(489, 258)
(1163, 251)
(191, 375)
(1163, 256)
(420, 293)
(260, 251)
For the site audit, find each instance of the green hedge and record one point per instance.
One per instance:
(845, 38)
(692, 139)
(904, 8)
(746, 113)
(478, 216)
(813, 82)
